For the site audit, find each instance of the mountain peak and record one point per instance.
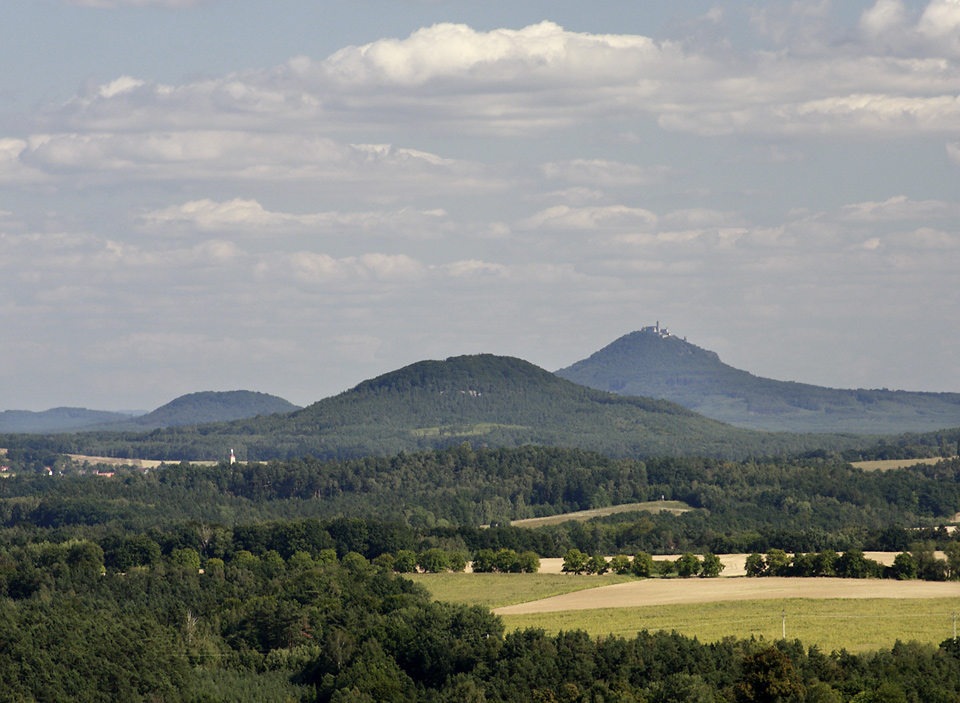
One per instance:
(654, 363)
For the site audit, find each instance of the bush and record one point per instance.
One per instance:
(405, 562)
(688, 565)
(483, 561)
(574, 562)
(529, 562)
(597, 565)
(643, 565)
(433, 561)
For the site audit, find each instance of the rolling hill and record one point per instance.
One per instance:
(56, 419)
(190, 409)
(490, 401)
(213, 406)
(647, 363)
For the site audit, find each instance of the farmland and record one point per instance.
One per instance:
(653, 506)
(834, 614)
(830, 624)
(891, 464)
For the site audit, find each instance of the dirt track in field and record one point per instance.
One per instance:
(676, 591)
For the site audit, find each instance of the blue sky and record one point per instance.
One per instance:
(295, 196)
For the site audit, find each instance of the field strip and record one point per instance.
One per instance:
(858, 625)
(890, 464)
(656, 506)
(649, 592)
(138, 463)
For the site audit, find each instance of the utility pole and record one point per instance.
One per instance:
(954, 627)
(783, 614)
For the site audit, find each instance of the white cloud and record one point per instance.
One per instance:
(602, 173)
(506, 81)
(240, 215)
(564, 217)
(227, 155)
(953, 152)
(900, 208)
(883, 19)
(473, 268)
(351, 273)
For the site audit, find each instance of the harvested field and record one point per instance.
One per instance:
(649, 592)
(137, 463)
(890, 464)
(656, 506)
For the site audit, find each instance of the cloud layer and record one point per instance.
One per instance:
(787, 201)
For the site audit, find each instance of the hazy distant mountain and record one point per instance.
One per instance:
(190, 409)
(213, 406)
(490, 401)
(654, 364)
(56, 419)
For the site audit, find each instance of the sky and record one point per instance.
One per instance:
(292, 197)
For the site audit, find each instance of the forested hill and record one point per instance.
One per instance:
(490, 401)
(190, 409)
(214, 406)
(647, 364)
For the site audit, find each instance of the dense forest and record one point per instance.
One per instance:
(75, 627)
(807, 504)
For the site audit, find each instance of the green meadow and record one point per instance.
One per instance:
(831, 624)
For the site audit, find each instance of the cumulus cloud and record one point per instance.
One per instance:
(507, 81)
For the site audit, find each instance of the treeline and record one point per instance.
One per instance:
(345, 629)
(920, 562)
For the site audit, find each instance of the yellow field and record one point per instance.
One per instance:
(890, 464)
(655, 506)
(138, 463)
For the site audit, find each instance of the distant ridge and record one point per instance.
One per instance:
(190, 409)
(653, 363)
(487, 400)
(56, 419)
(213, 406)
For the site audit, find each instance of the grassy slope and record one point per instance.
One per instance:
(498, 590)
(645, 364)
